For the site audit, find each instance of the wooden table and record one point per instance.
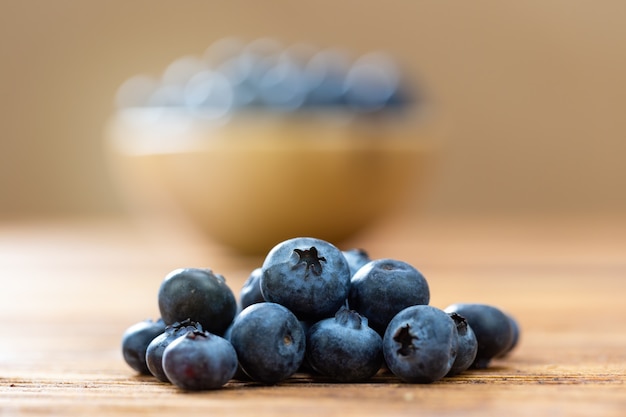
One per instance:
(71, 287)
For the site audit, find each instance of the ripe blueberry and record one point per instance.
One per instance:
(135, 341)
(516, 331)
(251, 291)
(356, 259)
(420, 344)
(199, 295)
(467, 346)
(309, 276)
(344, 348)
(199, 361)
(270, 342)
(491, 326)
(383, 287)
(154, 351)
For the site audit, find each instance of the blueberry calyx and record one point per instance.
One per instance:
(460, 321)
(349, 318)
(405, 338)
(311, 258)
(195, 334)
(178, 325)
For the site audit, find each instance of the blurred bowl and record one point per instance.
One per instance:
(260, 178)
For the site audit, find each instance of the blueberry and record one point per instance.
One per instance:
(282, 87)
(240, 375)
(246, 70)
(209, 94)
(199, 295)
(251, 291)
(154, 351)
(371, 82)
(491, 326)
(135, 341)
(356, 259)
(199, 361)
(305, 367)
(309, 276)
(344, 348)
(467, 346)
(383, 287)
(244, 93)
(270, 342)
(420, 344)
(515, 340)
(325, 75)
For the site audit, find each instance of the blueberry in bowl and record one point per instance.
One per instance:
(262, 146)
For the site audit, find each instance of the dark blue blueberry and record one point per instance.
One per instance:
(246, 70)
(199, 361)
(515, 340)
(383, 287)
(356, 259)
(154, 352)
(371, 82)
(135, 341)
(467, 346)
(309, 276)
(240, 375)
(344, 348)
(199, 295)
(491, 326)
(243, 92)
(251, 291)
(305, 367)
(282, 87)
(324, 75)
(420, 344)
(263, 73)
(270, 342)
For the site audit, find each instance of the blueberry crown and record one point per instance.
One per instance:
(311, 258)
(405, 338)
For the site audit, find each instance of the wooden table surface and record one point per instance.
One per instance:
(71, 287)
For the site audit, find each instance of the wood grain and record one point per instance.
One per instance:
(71, 287)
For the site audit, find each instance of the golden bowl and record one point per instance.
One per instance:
(259, 178)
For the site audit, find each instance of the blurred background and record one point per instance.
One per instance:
(532, 93)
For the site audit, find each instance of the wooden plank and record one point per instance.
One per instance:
(71, 288)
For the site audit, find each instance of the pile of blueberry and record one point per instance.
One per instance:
(234, 75)
(312, 308)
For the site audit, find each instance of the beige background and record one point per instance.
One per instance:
(533, 92)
